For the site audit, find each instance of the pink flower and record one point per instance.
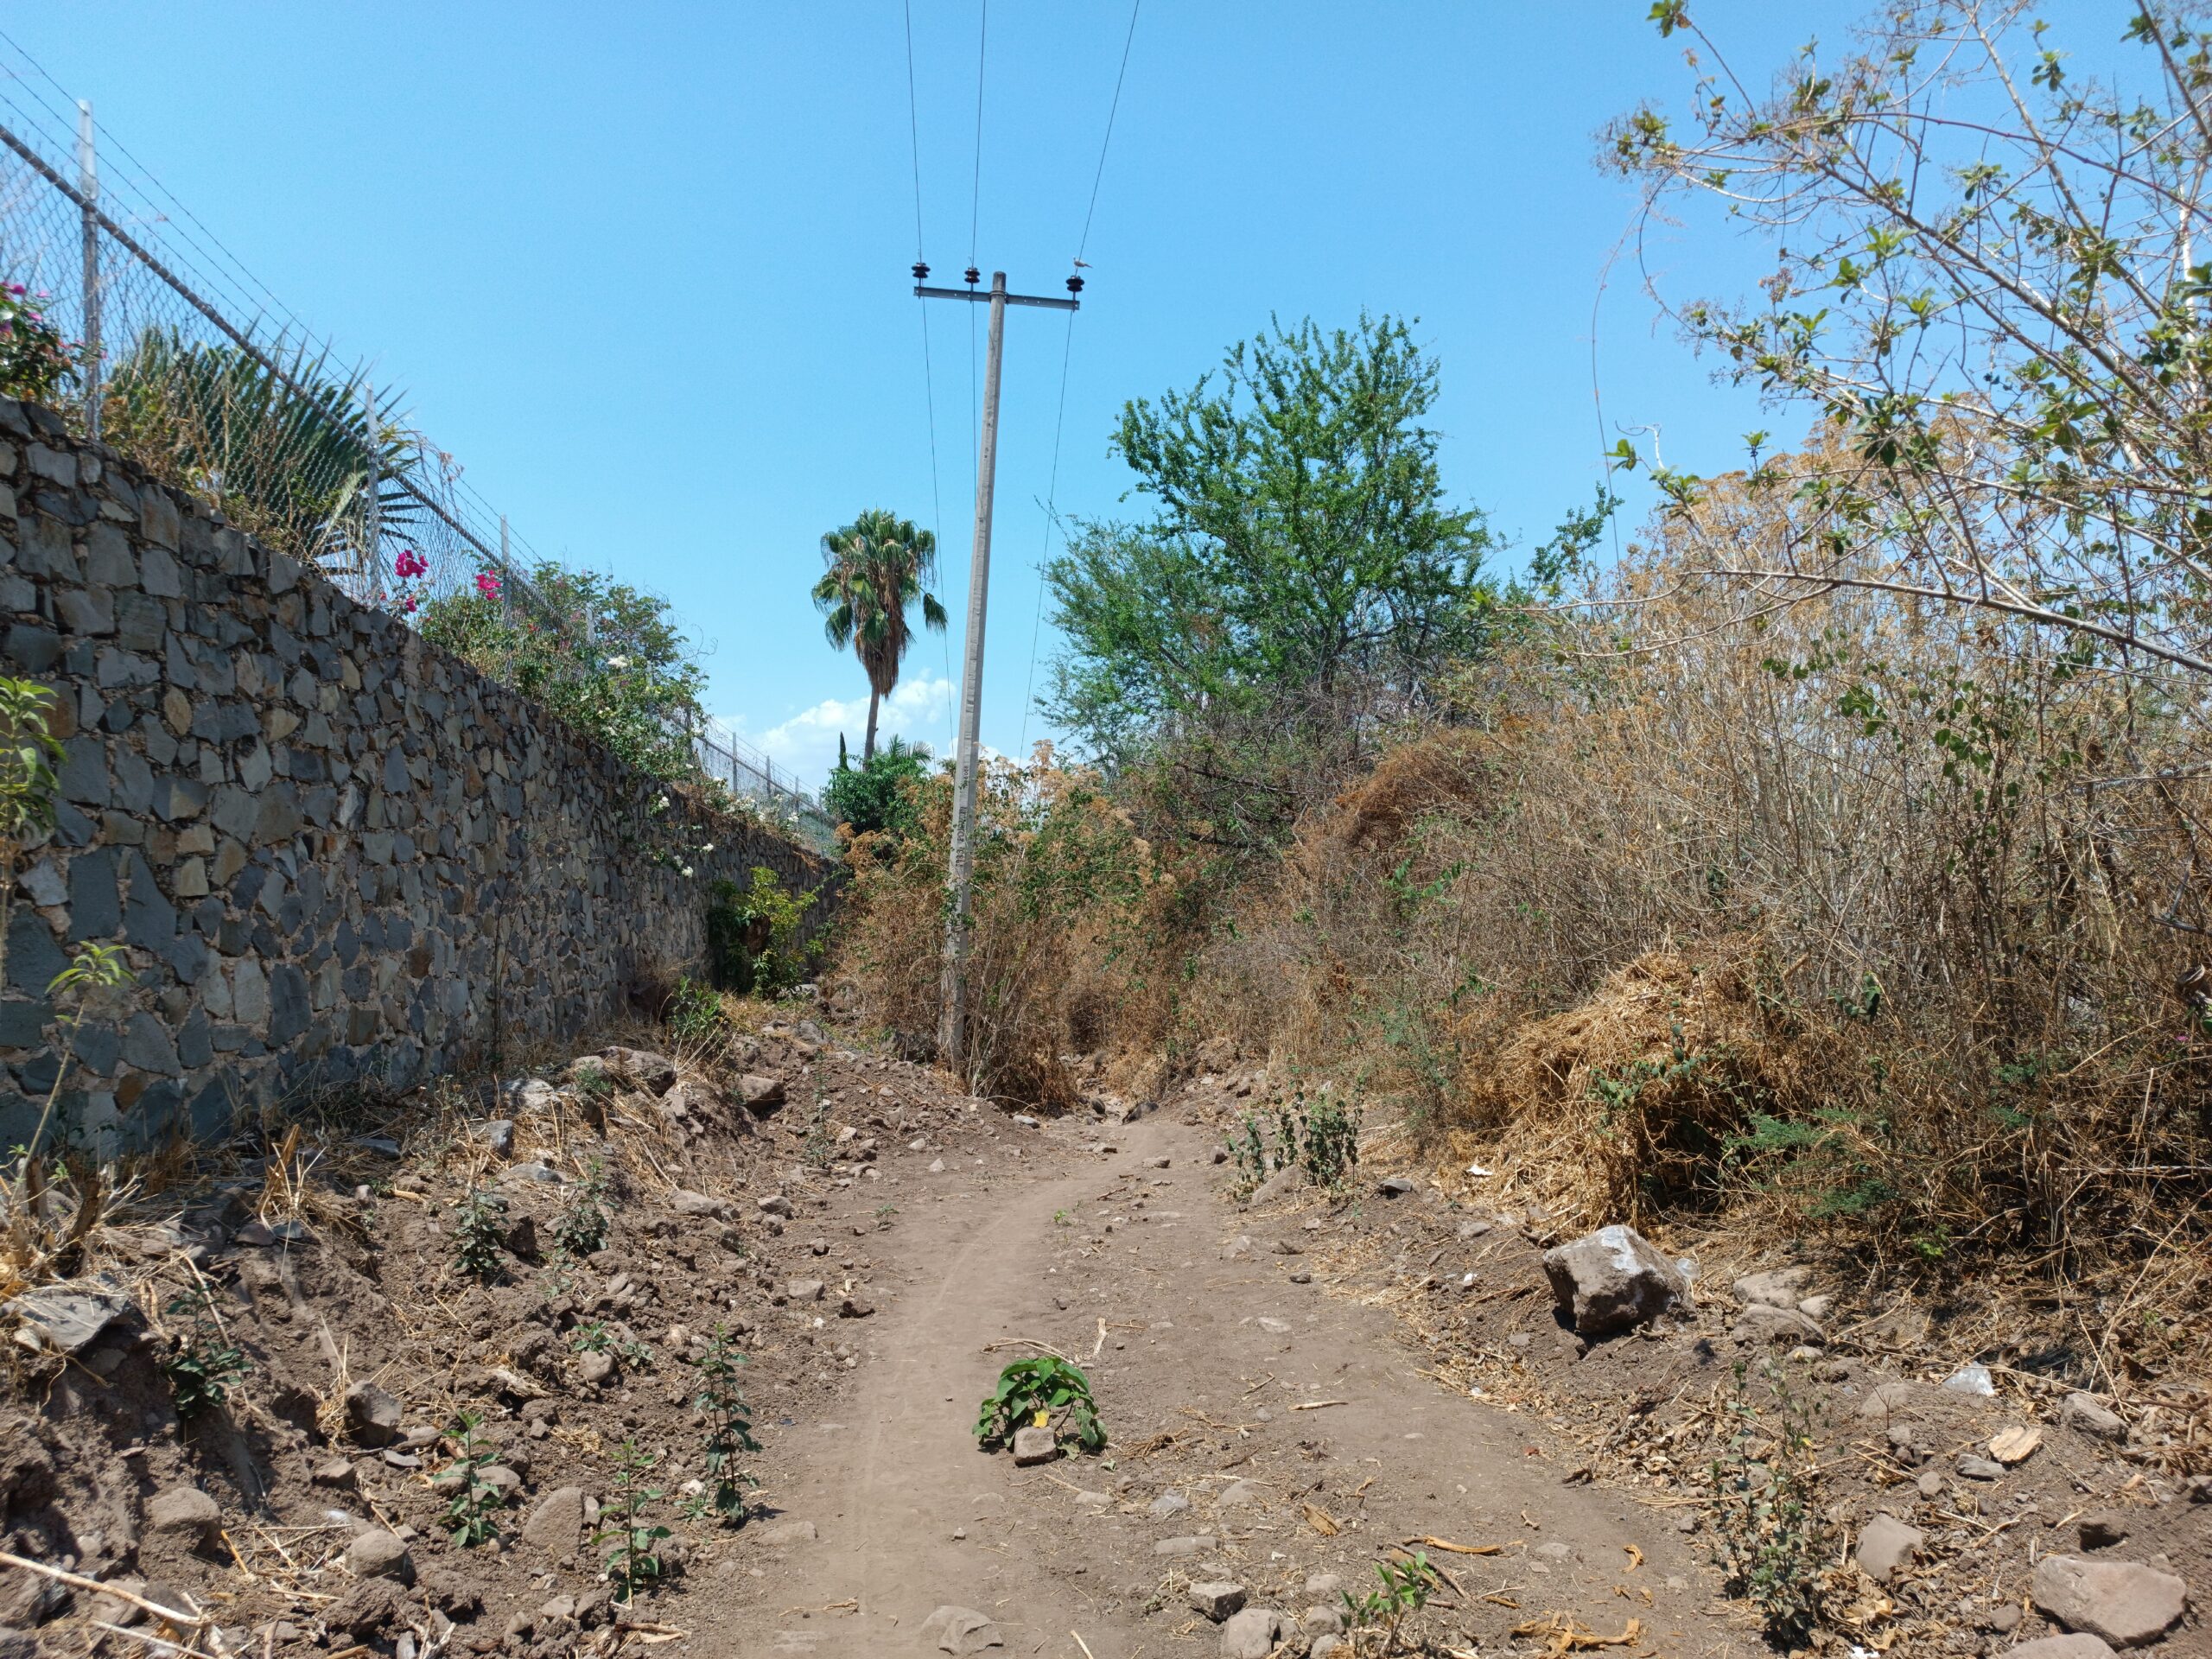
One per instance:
(407, 605)
(487, 585)
(410, 563)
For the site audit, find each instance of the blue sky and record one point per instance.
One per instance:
(642, 269)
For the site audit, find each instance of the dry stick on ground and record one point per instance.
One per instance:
(1026, 1341)
(167, 1615)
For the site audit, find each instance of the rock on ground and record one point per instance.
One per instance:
(761, 1095)
(960, 1630)
(1034, 1445)
(641, 1067)
(372, 1415)
(1886, 1544)
(185, 1514)
(66, 1317)
(2080, 1644)
(1612, 1280)
(557, 1521)
(2127, 1604)
(1218, 1600)
(377, 1554)
(2086, 1415)
(1251, 1634)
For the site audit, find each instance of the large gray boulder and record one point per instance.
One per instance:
(2127, 1604)
(1612, 1280)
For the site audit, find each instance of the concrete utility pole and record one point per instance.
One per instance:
(952, 1037)
(88, 188)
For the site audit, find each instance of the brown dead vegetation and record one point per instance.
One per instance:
(1864, 918)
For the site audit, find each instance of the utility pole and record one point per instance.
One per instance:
(88, 188)
(952, 1021)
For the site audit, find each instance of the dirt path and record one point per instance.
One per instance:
(1202, 1349)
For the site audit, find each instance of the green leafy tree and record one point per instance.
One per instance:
(882, 792)
(605, 656)
(1987, 289)
(1303, 544)
(873, 570)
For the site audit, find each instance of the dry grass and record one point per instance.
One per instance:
(1865, 917)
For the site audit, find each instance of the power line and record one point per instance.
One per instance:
(976, 192)
(1112, 110)
(1051, 493)
(929, 377)
(974, 217)
(1067, 352)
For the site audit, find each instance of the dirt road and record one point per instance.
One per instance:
(1263, 1433)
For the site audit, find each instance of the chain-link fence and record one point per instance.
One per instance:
(144, 330)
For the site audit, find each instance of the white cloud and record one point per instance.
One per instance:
(807, 742)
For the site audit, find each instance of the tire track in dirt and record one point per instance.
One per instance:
(1211, 1348)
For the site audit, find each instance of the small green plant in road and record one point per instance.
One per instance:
(206, 1363)
(729, 1430)
(580, 1228)
(1042, 1393)
(636, 1559)
(1406, 1586)
(1771, 1543)
(1061, 1219)
(592, 1338)
(473, 1516)
(480, 1227)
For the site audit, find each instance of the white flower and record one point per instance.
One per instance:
(687, 869)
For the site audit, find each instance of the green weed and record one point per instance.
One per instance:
(636, 1561)
(472, 1515)
(1043, 1393)
(1771, 1543)
(479, 1229)
(206, 1364)
(729, 1430)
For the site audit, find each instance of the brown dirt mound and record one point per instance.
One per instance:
(1621, 1109)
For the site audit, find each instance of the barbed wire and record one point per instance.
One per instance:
(187, 363)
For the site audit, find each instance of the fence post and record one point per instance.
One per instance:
(506, 573)
(88, 186)
(372, 504)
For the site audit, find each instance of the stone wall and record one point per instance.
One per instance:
(332, 854)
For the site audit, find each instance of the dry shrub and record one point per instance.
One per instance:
(1865, 913)
(1630, 1104)
(1063, 890)
(1934, 878)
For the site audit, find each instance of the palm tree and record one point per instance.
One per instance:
(873, 570)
